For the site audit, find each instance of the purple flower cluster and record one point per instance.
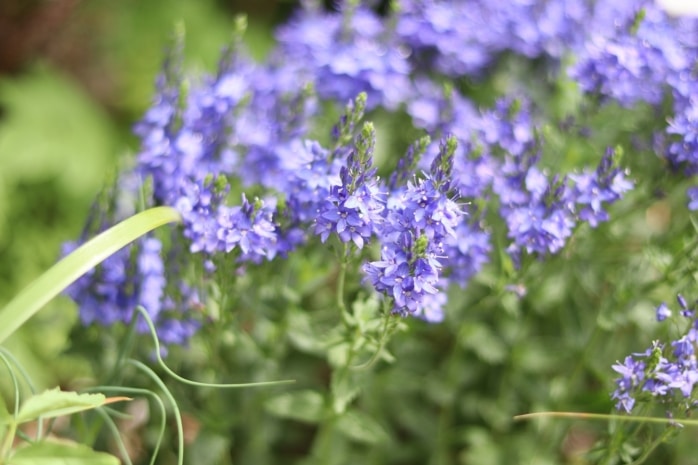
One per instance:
(213, 227)
(132, 277)
(682, 151)
(353, 207)
(347, 54)
(540, 210)
(635, 52)
(664, 372)
(459, 38)
(590, 190)
(632, 60)
(418, 220)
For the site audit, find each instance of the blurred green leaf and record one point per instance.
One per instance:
(345, 386)
(301, 334)
(360, 427)
(52, 130)
(480, 339)
(63, 453)
(54, 280)
(306, 406)
(5, 415)
(56, 403)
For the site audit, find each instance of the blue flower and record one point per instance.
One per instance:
(132, 277)
(682, 152)
(692, 198)
(458, 39)
(353, 207)
(632, 374)
(418, 220)
(663, 312)
(634, 62)
(249, 227)
(660, 373)
(590, 191)
(347, 54)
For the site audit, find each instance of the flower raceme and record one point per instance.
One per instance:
(664, 372)
(420, 219)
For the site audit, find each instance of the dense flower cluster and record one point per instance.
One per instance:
(348, 54)
(237, 152)
(459, 38)
(664, 372)
(353, 207)
(418, 220)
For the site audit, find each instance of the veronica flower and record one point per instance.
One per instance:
(418, 219)
(134, 276)
(591, 190)
(347, 54)
(634, 62)
(352, 208)
(664, 372)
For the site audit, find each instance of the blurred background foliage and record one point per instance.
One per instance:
(76, 74)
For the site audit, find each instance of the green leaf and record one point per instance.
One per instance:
(55, 403)
(484, 342)
(362, 428)
(366, 312)
(345, 387)
(338, 354)
(75, 146)
(301, 333)
(63, 453)
(5, 415)
(81, 260)
(304, 406)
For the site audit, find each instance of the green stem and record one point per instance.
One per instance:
(322, 445)
(341, 282)
(7, 441)
(322, 449)
(640, 460)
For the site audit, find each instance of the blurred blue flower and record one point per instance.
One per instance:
(134, 276)
(591, 190)
(347, 54)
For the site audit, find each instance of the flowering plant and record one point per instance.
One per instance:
(460, 171)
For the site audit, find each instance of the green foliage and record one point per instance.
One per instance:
(47, 453)
(371, 388)
(51, 404)
(55, 146)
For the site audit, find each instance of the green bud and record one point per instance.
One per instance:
(420, 246)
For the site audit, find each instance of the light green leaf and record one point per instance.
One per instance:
(362, 428)
(74, 147)
(304, 406)
(484, 342)
(5, 415)
(338, 354)
(301, 333)
(366, 312)
(60, 453)
(56, 403)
